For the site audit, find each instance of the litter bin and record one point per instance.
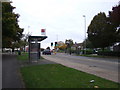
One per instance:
(19, 52)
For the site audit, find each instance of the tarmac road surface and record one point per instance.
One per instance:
(103, 67)
(11, 77)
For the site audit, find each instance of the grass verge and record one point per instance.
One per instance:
(92, 55)
(59, 76)
(24, 57)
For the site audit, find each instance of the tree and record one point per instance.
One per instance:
(61, 45)
(88, 43)
(24, 42)
(11, 32)
(114, 17)
(69, 43)
(100, 32)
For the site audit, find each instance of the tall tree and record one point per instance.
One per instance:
(114, 17)
(11, 32)
(24, 41)
(69, 42)
(100, 32)
(88, 43)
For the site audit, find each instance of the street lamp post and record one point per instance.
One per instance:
(85, 34)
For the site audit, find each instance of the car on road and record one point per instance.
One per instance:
(46, 52)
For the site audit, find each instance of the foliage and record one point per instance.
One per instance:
(69, 42)
(88, 43)
(61, 45)
(100, 32)
(11, 32)
(109, 53)
(25, 37)
(16, 44)
(24, 41)
(114, 17)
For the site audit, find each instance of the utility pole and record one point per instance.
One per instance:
(85, 34)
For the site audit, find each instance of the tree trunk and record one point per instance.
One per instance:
(103, 51)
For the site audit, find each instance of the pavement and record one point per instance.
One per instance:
(0, 71)
(11, 76)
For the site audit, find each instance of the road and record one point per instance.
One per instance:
(102, 67)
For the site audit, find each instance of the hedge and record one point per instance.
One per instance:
(109, 53)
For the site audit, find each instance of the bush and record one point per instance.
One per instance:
(109, 53)
(90, 51)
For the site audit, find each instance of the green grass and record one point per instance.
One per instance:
(23, 57)
(59, 76)
(90, 55)
(99, 56)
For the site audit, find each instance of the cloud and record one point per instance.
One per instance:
(4, 0)
(59, 17)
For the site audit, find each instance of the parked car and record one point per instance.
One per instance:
(46, 52)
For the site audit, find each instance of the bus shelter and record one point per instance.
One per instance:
(34, 47)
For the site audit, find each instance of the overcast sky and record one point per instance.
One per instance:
(62, 19)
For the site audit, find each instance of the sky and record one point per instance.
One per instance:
(62, 19)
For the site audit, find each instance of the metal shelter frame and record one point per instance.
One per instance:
(34, 47)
